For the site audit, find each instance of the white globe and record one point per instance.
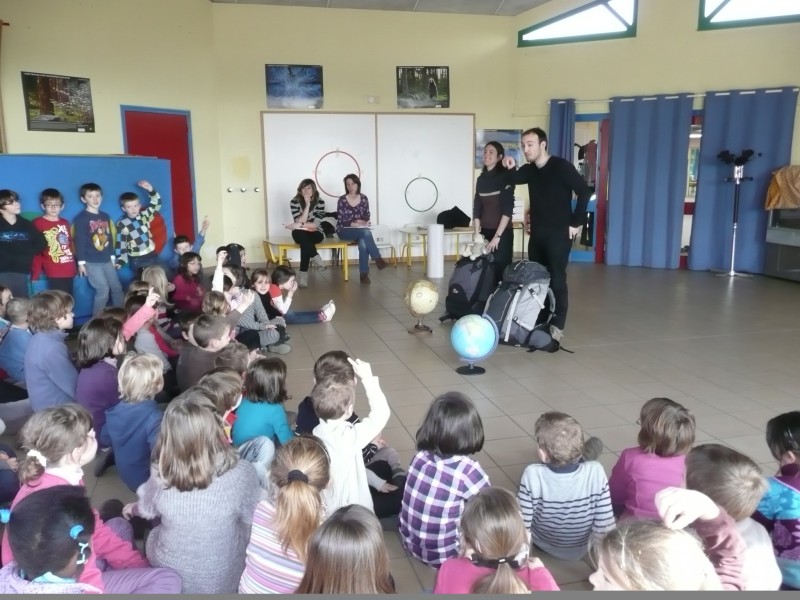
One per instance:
(421, 297)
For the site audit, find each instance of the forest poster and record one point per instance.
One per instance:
(423, 87)
(57, 103)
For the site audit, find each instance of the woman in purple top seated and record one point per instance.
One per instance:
(353, 226)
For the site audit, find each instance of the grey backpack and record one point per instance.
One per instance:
(521, 302)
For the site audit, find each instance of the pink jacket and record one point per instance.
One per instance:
(636, 479)
(137, 321)
(105, 543)
(458, 575)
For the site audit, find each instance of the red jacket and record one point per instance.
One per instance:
(188, 294)
(105, 543)
(58, 259)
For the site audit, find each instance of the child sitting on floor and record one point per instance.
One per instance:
(276, 296)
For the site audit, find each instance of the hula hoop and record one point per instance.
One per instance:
(316, 180)
(435, 189)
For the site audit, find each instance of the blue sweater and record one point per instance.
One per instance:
(92, 238)
(12, 352)
(254, 419)
(131, 430)
(50, 376)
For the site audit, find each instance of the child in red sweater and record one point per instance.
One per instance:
(189, 290)
(58, 259)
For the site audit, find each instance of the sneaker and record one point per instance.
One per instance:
(556, 333)
(279, 349)
(105, 458)
(328, 311)
(592, 448)
(317, 262)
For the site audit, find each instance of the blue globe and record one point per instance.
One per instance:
(474, 337)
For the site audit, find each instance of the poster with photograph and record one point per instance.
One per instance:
(423, 87)
(294, 86)
(510, 138)
(57, 103)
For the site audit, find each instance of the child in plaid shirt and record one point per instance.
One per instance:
(442, 477)
(135, 244)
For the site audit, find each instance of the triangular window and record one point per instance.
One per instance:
(724, 14)
(598, 20)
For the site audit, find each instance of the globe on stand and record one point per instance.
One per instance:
(421, 298)
(474, 338)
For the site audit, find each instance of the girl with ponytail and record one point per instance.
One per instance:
(277, 552)
(494, 551)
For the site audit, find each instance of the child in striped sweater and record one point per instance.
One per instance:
(565, 501)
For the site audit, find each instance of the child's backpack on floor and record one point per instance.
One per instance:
(470, 286)
(523, 303)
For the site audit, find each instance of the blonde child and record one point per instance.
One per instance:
(648, 555)
(441, 478)
(224, 386)
(132, 425)
(564, 499)
(779, 510)
(284, 525)
(735, 483)
(15, 343)
(50, 533)
(50, 376)
(495, 551)
(204, 497)
(347, 555)
(334, 402)
(156, 277)
(666, 435)
(59, 442)
(261, 412)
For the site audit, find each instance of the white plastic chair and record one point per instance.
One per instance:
(382, 235)
(415, 240)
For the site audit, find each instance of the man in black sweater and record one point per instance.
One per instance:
(553, 224)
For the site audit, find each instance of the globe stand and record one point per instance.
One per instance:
(470, 369)
(420, 328)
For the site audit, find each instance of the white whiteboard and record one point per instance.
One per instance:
(405, 162)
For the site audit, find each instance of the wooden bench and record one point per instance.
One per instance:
(339, 247)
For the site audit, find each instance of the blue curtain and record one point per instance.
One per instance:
(561, 134)
(759, 120)
(648, 158)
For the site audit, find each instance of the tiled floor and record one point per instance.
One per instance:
(727, 349)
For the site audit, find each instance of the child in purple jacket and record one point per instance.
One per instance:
(658, 462)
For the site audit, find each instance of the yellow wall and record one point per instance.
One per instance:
(209, 59)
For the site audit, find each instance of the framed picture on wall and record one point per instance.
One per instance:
(423, 87)
(510, 138)
(294, 86)
(57, 103)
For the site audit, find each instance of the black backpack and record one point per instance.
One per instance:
(455, 217)
(470, 286)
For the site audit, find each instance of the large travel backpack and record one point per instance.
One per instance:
(470, 286)
(521, 302)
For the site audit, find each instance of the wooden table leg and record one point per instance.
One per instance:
(345, 266)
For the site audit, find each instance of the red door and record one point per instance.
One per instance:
(167, 135)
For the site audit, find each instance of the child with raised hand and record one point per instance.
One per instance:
(50, 535)
(277, 292)
(666, 435)
(59, 442)
(256, 329)
(156, 277)
(135, 245)
(495, 551)
(442, 478)
(224, 386)
(50, 376)
(100, 342)
(261, 412)
(650, 555)
(564, 499)
(132, 425)
(334, 402)
(347, 555)
(735, 483)
(181, 245)
(15, 344)
(204, 497)
(189, 290)
(283, 526)
(58, 259)
(779, 509)
(149, 340)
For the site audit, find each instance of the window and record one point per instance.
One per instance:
(598, 20)
(724, 14)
